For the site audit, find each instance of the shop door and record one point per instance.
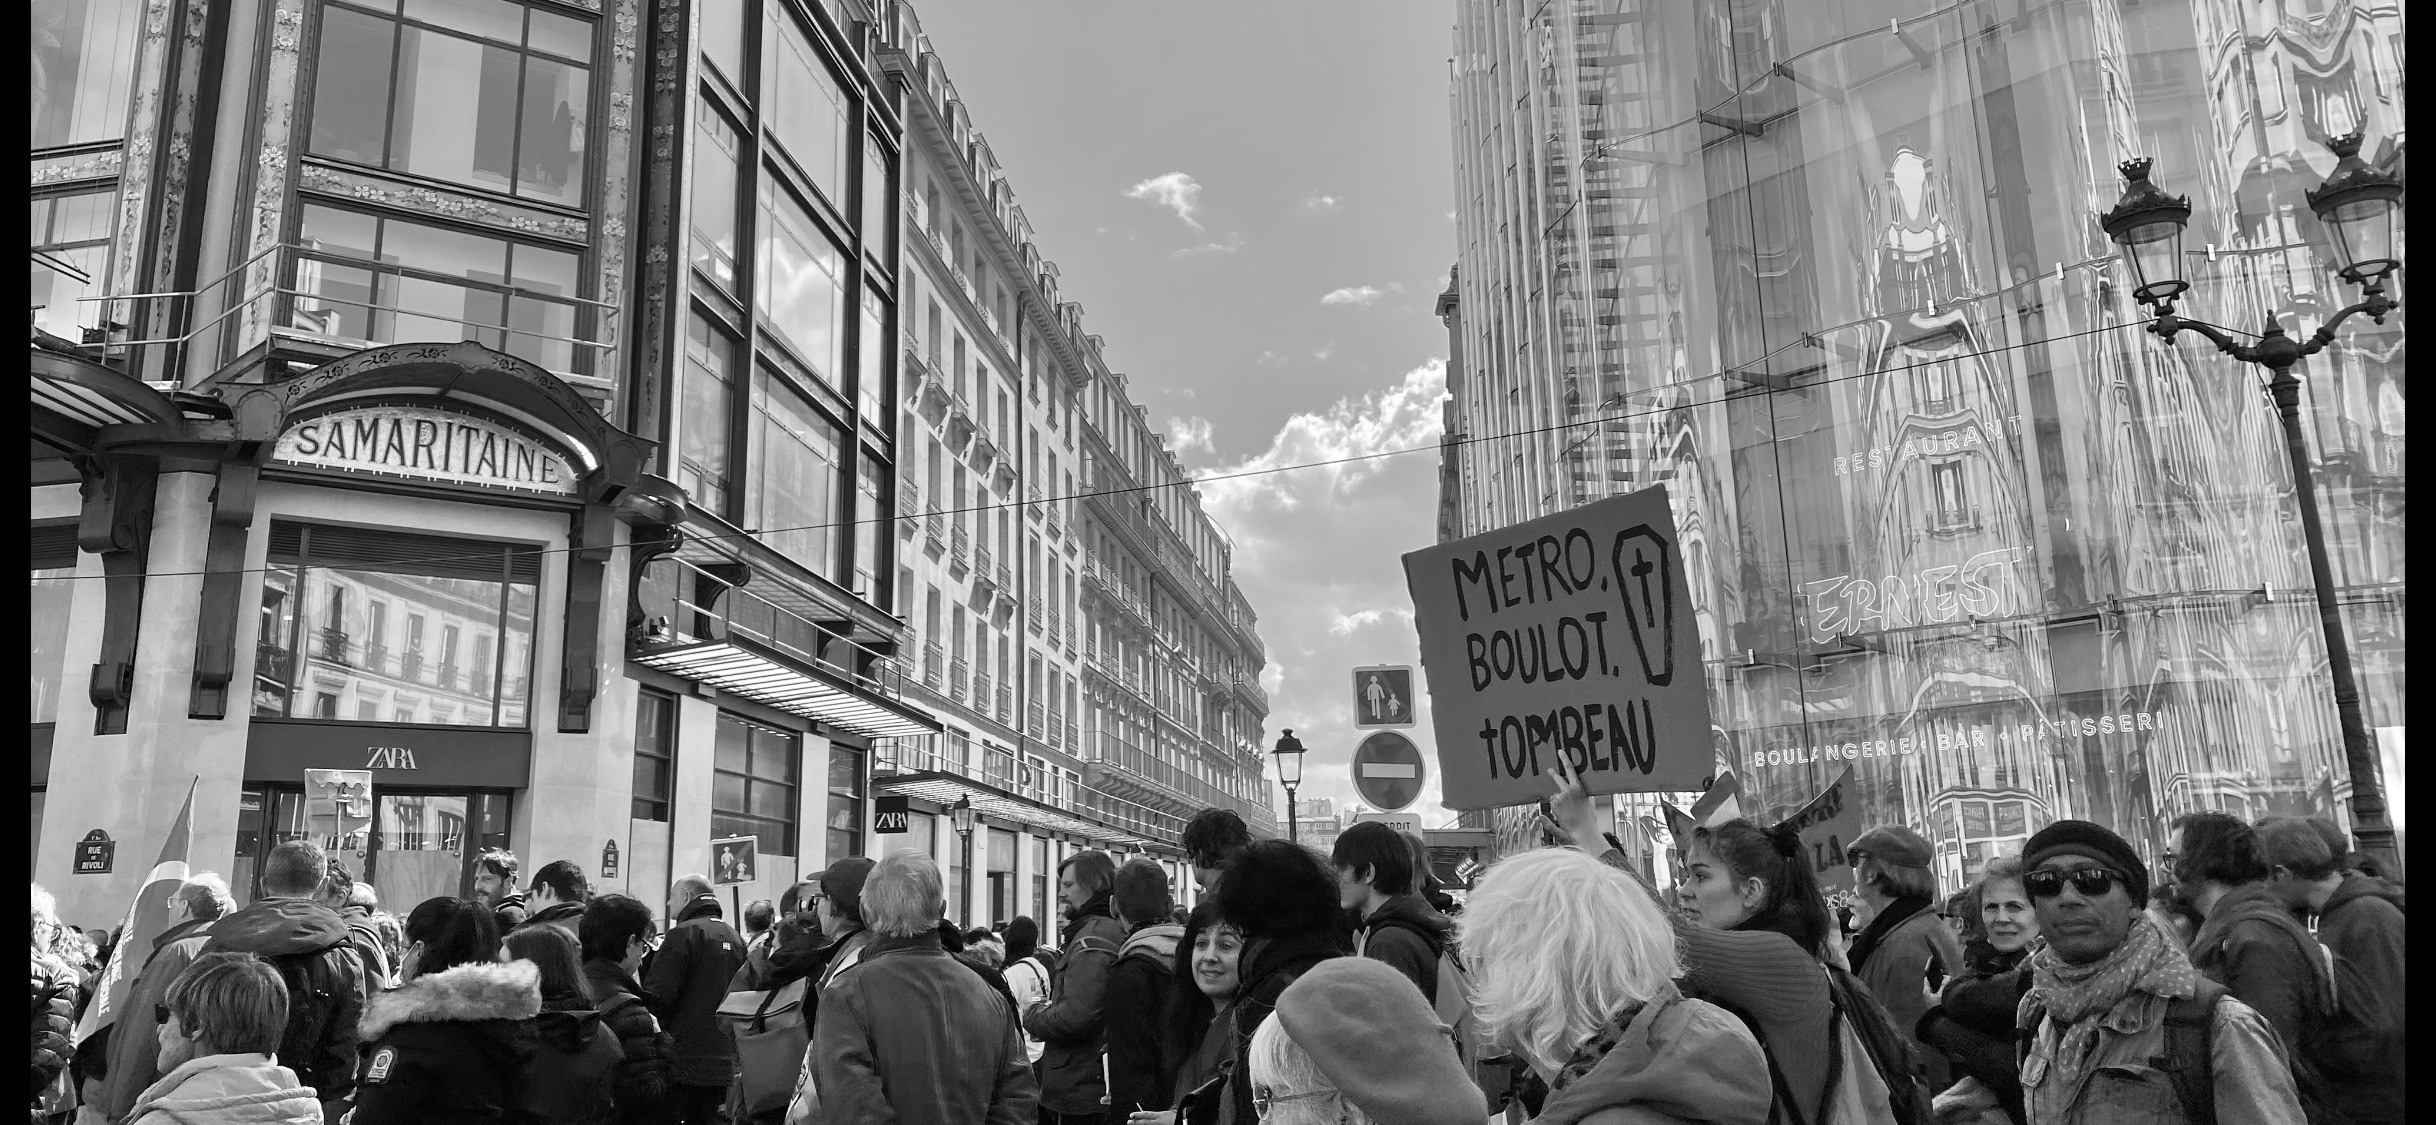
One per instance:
(424, 843)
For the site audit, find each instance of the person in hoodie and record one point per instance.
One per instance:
(2249, 943)
(449, 1042)
(1573, 968)
(226, 1013)
(1375, 876)
(1072, 1021)
(616, 936)
(557, 896)
(1141, 1052)
(688, 978)
(1283, 899)
(2359, 918)
(134, 1048)
(286, 926)
(570, 1078)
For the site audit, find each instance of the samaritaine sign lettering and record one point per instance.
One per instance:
(427, 444)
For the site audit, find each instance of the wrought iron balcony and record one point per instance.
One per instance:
(959, 544)
(981, 692)
(934, 659)
(984, 575)
(934, 528)
(909, 501)
(958, 675)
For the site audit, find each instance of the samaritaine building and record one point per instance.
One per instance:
(517, 423)
(1832, 274)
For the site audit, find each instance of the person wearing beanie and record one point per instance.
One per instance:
(1573, 965)
(2094, 1025)
(1377, 1044)
(839, 906)
(1905, 953)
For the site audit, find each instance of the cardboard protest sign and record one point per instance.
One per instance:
(1569, 636)
(1831, 820)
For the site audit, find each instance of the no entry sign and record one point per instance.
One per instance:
(1387, 770)
(1566, 636)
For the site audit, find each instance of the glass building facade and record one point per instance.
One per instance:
(1832, 274)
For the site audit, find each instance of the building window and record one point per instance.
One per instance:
(84, 69)
(487, 94)
(870, 531)
(795, 493)
(655, 755)
(1040, 879)
(704, 461)
(361, 277)
(310, 646)
(753, 779)
(71, 249)
(879, 204)
(718, 158)
(845, 819)
(814, 128)
(54, 595)
(799, 283)
(722, 33)
(871, 368)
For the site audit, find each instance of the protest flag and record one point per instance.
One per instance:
(146, 918)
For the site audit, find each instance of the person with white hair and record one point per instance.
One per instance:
(1350, 1043)
(134, 1055)
(912, 1033)
(54, 997)
(1573, 968)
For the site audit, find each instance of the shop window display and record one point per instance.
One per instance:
(753, 778)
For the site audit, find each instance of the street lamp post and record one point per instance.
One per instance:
(2358, 205)
(960, 814)
(1289, 753)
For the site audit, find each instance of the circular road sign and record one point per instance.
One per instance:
(1387, 771)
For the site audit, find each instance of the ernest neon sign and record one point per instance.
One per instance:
(427, 444)
(1984, 585)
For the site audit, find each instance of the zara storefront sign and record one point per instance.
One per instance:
(427, 443)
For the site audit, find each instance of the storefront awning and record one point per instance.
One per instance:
(764, 676)
(944, 788)
(74, 398)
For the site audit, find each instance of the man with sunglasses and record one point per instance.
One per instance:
(2117, 1025)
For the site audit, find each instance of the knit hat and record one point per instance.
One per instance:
(1370, 1032)
(1892, 844)
(2082, 838)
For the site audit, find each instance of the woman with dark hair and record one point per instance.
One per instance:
(1026, 972)
(448, 1043)
(1283, 899)
(569, 1078)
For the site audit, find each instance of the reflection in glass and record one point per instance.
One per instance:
(71, 249)
(799, 283)
(715, 203)
(814, 127)
(708, 415)
(753, 782)
(797, 493)
(84, 69)
(387, 280)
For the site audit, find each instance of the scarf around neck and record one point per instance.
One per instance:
(2082, 999)
(1896, 913)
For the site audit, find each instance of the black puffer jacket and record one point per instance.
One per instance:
(688, 979)
(642, 1082)
(54, 1020)
(449, 1046)
(1971, 1024)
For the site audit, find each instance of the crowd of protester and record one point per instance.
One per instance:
(2262, 984)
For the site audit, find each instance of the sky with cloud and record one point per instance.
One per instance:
(1257, 224)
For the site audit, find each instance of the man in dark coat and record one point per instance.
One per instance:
(1374, 867)
(616, 935)
(557, 896)
(1906, 952)
(1142, 1059)
(688, 976)
(287, 925)
(135, 1046)
(1071, 1021)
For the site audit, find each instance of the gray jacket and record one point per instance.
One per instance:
(2253, 1081)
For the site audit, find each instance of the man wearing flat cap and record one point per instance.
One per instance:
(1905, 953)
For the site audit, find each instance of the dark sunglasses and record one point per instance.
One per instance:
(2092, 882)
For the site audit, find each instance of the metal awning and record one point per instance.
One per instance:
(74, 397)
(945, 788)
(764, 676)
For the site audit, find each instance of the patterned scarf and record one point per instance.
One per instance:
(1594, 1049)
(2081, 999)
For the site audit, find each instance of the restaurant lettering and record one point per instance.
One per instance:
(428, 444)
(1984, 585)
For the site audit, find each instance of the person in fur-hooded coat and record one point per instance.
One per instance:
(448, 1046)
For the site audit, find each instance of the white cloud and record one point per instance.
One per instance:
(1311, 542)
(1271, 359)
(1175, 191)
(1186, 434)
(1234, 242)
(1319, 203)
(1359, 294)
(1322, 352)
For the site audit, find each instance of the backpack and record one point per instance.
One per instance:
(771, 1030)
(2190, 1030)
(312, 999)
(563, 1086)
(1890, 1051)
